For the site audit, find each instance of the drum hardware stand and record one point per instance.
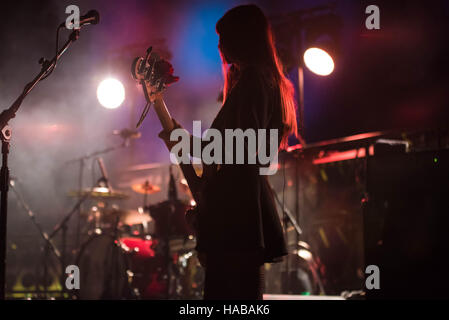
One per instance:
(63, 226)
(109, 279)
(111, 272)
(145, 199)
(288, 214)
(46, 69)
(80, 189)
(290, 218)
(172, 197)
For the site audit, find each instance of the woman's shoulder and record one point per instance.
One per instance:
(252, 90)
(253, 79)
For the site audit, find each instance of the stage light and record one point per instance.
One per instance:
(110, 93)
(318, 61)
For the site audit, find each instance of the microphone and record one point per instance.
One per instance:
(127, 133)
(91, 17)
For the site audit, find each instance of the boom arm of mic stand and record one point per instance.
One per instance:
(64, 221)
(96, 153)
(10, 113)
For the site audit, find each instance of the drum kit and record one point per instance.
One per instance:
(146, 253)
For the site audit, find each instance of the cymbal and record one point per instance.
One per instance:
(159, 165)
(99, 193)
(147, 166)
(145, 188)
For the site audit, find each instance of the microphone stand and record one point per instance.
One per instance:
(5, 117)
(288, 214)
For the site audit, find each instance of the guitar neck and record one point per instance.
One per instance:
(187, 169)
(163, 115)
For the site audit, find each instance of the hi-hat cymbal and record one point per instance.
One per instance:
(99, 193)
(145, 188)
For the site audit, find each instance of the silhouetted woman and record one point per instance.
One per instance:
(239, 227)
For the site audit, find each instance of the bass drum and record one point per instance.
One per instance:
(103, 269)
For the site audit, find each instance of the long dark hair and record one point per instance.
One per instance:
(246, 39)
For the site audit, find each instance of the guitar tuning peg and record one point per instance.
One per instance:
(151, 63)
(136, 67)
(148, 73)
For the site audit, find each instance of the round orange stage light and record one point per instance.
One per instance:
(319, 61)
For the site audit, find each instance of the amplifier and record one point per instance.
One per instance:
(368, 200)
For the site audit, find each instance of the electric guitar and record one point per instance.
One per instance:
(154, 75)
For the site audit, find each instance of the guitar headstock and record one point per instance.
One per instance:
(153, 73)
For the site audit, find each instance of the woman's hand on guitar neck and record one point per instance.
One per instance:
(165, 135)
(156, 96)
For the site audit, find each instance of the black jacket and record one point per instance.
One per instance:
(238, 211)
